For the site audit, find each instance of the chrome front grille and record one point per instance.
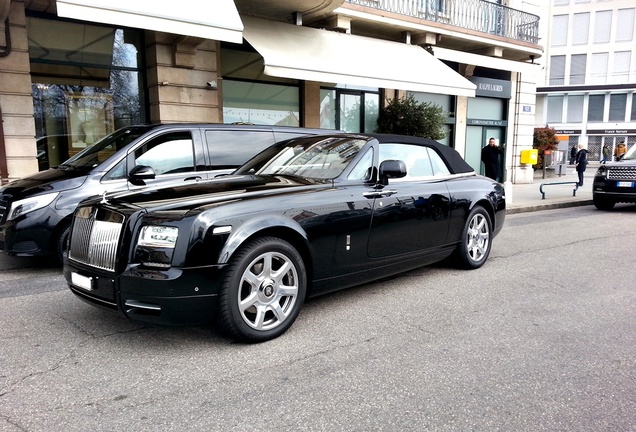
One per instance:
(622, 173)
(95, 237)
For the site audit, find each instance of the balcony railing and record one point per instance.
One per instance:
(479, 15)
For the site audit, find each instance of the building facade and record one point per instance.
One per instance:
(589, 79)
(71, 71)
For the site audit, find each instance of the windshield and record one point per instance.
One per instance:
(631, 154)
(311, 157)
(97, 153)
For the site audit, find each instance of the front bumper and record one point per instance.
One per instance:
(168, 297)
(31, 234)
(617, 191)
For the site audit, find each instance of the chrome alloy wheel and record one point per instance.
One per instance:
(477, 238)
(268, 291)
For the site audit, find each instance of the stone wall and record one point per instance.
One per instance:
(178, 72)
(16, 101)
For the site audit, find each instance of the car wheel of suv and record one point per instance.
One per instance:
(262, 291)
(603, 203)
(61, 243)
(476, 241)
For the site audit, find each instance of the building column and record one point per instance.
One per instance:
(183, 79)
(461, 113)
(16, 100)
(522, 111)
(310, 104)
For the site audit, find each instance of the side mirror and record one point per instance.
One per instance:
(391, 169)
(140, 173)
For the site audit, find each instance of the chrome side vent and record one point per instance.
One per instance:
(95, 237)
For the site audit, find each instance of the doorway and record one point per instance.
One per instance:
(476, 138)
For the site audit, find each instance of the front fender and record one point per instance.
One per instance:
(252, 227)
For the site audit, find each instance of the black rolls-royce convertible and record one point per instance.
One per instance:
(305, 217)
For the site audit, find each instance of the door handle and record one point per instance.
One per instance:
(380, 193)
(195, 178)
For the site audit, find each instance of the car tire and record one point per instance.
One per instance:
(61, 243)
(476, 240)
(603, 203)
(262, 290)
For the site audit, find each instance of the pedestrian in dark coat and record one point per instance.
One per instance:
(572, 155)
(490, 157)
(581, 162)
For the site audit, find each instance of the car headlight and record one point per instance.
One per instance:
(602, 171)
(28, 205)
(156, 246)
(158, 236)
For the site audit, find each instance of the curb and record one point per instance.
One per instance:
(551, 206)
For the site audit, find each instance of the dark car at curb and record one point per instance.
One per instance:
(305, 217)
(36, 211)
(615, 182)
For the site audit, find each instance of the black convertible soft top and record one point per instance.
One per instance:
(454, 160)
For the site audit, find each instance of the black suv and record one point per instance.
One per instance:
(615, 182)
(35, 211)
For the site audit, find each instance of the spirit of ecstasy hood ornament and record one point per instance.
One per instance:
(104, 200)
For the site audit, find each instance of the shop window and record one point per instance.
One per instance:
(260, 103)
(633, 117)
(87, 83)
(486, 108)
(349, 110)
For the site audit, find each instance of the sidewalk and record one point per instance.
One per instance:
(527, 197)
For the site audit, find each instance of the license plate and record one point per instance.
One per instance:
(82, 281)
(624, 184)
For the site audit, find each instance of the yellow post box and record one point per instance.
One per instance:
(529, 156)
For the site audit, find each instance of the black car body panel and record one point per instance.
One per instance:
(615, 182)
(215, 149)
(349, 229)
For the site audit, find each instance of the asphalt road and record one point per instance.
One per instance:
(540, 339)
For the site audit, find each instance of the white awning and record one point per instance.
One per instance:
(486, 61)
(217, 20)
(305, 53)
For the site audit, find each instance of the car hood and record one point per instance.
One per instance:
(51, 180)
(622, 162)
(229, 188)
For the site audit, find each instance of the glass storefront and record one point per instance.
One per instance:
(447, 103)
(250, 96)
(87, 81)
(260, 103)
(349, 110)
